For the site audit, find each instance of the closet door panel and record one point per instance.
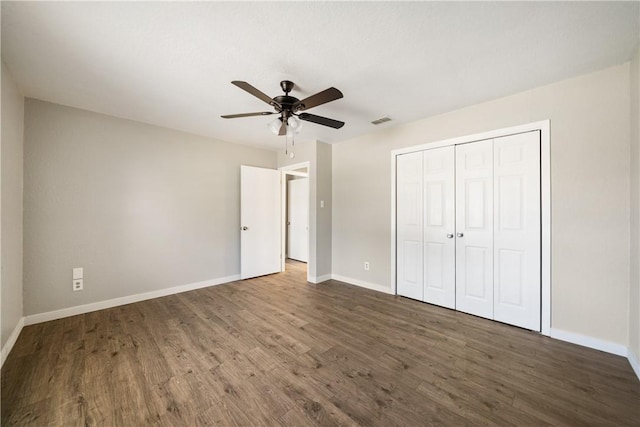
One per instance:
(439, 227)
(474, 228)
(517, 230)
(409, 218)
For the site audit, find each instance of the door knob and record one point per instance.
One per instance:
(245, 228)
(460, 235)
(449, 236)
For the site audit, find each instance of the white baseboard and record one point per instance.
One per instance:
(362, 283)
(6, 349)
(101, 305)
(320, 279)
(634, 360)
(585, 341)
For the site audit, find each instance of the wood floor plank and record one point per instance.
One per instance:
(278, 351)
(225, 413)
(313, 404)
(295, 417)
(392, 392)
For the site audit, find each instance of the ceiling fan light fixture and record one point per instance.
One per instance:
(274, 125)
(294, 124)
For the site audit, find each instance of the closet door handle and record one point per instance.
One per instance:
(449, 236)
(460, 234)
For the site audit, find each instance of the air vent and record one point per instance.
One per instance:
(381, 120)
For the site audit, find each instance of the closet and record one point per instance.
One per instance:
(468, 228)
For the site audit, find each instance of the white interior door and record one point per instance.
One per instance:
(439, 227)
(260, 210)
(474, 228)
(298, 219)
(517, 230)
(409, 219)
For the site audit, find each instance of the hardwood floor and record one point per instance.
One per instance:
(278, 351)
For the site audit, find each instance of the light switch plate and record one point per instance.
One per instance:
(78, 273)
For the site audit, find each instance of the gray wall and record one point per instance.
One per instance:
(11, 204)
(324, 214)
(141, 208)
(634, 291)
(590, 122)
(318, 154)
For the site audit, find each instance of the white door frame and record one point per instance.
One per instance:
(292, 170)
(545, 214)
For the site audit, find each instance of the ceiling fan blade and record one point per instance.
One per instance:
(234, 116)
(283, 128)
(319, 98)
(336, 124)
(255, 92)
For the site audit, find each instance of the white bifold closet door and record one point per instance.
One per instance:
(409, 217)
(439, 227)
(426, 225)
(474, 228)
(517, 228)
(468, 228)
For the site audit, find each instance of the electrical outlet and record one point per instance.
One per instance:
(78, 284)
(366, 265)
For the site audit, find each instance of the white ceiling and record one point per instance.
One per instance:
(171, 63)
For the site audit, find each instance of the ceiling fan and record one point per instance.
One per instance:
(288, 106)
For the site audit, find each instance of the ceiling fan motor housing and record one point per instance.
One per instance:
(286, 102)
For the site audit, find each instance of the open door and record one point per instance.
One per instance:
(298, 220)
(260, 210)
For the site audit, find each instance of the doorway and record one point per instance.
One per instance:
(295, 217)
(297, 232)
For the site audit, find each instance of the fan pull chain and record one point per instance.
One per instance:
(288, 153)
(286, 141)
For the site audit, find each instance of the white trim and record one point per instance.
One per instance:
(634, 362)
(101, 305)
(362, 284)
(293, 168)
(6, 349)
(496, 133)
(296, 173)
(545, 186)
(394, 253)
(319, 279)
(545, 231)
(585, 341)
